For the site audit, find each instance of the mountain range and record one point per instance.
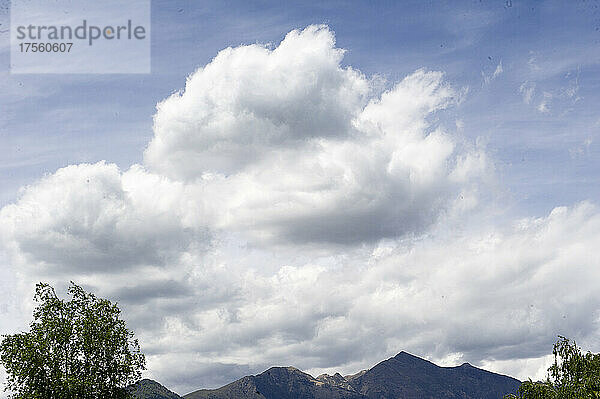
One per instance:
(403, 376)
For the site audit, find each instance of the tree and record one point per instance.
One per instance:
(78, 348)
(573, 375)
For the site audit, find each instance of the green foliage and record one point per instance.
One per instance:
(75, 349)
(573, 375)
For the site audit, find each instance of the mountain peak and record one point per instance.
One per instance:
(284, 370)
(404, 354)
(407, 375)
(409, 359)
(281, 368)
(149, 389)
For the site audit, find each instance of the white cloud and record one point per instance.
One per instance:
(498, 71)
(543, 106)
(288, 145)
(251, 100)
(487, 79)
(288, 212)
(564, 97)
(532, 62)
(572, 89)
(90, 217)
(536, 368)
(527, 90)
(3, 394)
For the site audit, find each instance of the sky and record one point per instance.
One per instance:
(318, 185)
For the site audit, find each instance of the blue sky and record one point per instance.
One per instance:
(525, 78)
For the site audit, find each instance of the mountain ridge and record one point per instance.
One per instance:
(404, 376)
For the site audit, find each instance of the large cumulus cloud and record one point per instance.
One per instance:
(92, 217)
(289, 212)
(288, 145)
(250, 100)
